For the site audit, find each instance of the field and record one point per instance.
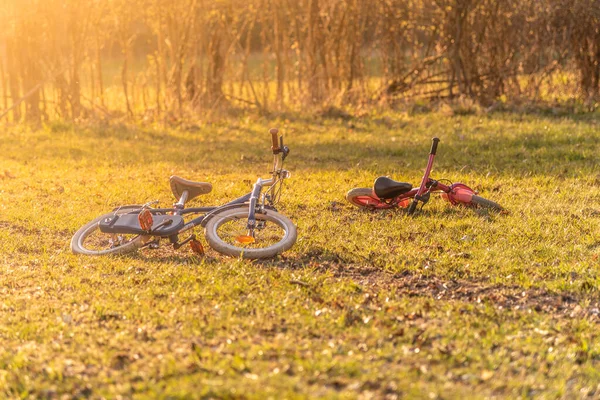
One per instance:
(451, 303)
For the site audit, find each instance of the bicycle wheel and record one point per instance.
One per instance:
(364, 198)
(89, 240)
(480, 202)
(226, 233)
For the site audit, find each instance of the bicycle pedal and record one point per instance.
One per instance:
(145, 219)
(197, 247)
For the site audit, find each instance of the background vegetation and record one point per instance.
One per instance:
(171, 59)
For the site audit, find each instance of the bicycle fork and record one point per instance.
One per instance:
(254, 197)
(421, 194)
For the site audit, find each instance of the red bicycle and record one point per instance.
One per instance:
(388, 193)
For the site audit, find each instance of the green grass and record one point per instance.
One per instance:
(452, 303)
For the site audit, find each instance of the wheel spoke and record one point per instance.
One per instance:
(99, 241)
(228, 234)
(91, 240)
(231, 229)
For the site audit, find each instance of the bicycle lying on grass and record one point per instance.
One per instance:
(387, 193)
(248, 226)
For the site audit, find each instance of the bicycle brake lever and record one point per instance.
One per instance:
(150, 203)
(285, 152)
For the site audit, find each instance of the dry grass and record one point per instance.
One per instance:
(168, 61)
(451, 303)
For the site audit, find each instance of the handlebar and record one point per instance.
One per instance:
(275, 140)
(434, 145)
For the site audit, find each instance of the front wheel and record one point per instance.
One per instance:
(480, 202)
(227, 233)
(89, 240)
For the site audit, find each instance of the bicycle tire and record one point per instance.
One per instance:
(481, 202)
(239, 216)
(79, 238)
(365, 199)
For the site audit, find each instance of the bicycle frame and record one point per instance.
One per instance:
(256, 199)
(455, 193)
(398, 194)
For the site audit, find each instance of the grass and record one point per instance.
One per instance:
(452, 303)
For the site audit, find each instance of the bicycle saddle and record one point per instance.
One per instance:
(386, 188)
(195, 189)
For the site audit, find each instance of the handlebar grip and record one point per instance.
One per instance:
(275, 140)
(434, 145)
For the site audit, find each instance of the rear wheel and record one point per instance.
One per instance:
(480, 202)
(89, 240)
(227, 233)
(366, 199)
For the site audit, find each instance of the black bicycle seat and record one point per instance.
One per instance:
(195, 189)
(386, 188)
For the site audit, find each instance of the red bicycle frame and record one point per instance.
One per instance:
(455, 193)
(387, 193)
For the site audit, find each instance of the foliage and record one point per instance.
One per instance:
(179, 58)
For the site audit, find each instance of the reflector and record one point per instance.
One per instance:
(145, 219)
(244, 239)
(197, 247)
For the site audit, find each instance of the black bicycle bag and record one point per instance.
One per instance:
(162, 225)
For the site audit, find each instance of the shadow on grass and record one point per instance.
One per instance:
(567, 304)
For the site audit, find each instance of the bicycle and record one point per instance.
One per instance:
(388, 193)
(248, 226)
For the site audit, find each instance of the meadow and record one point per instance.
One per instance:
(450, 303)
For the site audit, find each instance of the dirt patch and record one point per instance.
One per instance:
(510, 297)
